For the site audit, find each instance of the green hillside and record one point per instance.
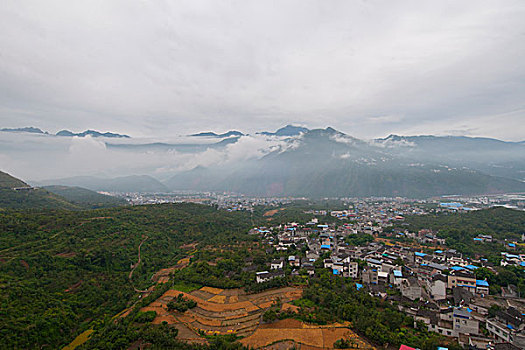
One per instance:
(8, 181)
(459, 229)
(85, 198)
(61, 270)
(16, 194)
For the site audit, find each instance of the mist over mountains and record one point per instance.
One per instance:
(325, 162)
(292, 161)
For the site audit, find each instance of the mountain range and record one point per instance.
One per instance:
(212, 134)
(92, 133)
(68, 133)
(288, 130)
(28, 129)
(326, 162)
(296, 161)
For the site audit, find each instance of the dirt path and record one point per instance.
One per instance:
(134, 267)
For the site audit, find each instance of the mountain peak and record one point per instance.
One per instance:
(288, 130)
(212, 134)
(29, 129)
(92, 133)
(329, 131)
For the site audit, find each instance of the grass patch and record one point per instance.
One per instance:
(186, 287)
(81, 339)
(304, 303)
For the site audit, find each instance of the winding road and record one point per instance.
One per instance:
(134, 267)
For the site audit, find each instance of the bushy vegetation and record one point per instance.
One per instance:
(181, 304)
(121, 333)
(145, 317)
(344, 344)
(460, 229)
(63, 270)
(84, 198)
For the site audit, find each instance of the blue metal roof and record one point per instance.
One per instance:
(398, 273)
(482, 283)
(453, 204)
(358, 286)
(472, 267)
(457, 268)
(419, 254)
(325, 246)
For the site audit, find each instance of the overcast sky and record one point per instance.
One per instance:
(367, 68)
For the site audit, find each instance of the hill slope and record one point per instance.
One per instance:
(133, 183)
(65, 269)
(16, 194)
(85, 198)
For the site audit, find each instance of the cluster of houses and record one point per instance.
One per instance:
(439, 288)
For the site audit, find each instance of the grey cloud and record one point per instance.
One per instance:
(163, 68)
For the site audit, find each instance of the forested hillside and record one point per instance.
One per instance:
(86, 198)
(61, 270)
(460, 229)
(16, 194)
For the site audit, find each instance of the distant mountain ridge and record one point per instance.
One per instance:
(288, 130)
(93, 133)
(296, 161)
(326, 163)
(28, 129)
(212, 134)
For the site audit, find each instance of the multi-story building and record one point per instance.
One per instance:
(462, 279)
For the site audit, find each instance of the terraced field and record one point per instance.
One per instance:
(232, 311)
(291, 333)
(219, 311)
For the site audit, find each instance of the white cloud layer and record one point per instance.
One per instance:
(367, 68)
(42, 157)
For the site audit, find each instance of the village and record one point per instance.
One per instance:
(434, 284)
